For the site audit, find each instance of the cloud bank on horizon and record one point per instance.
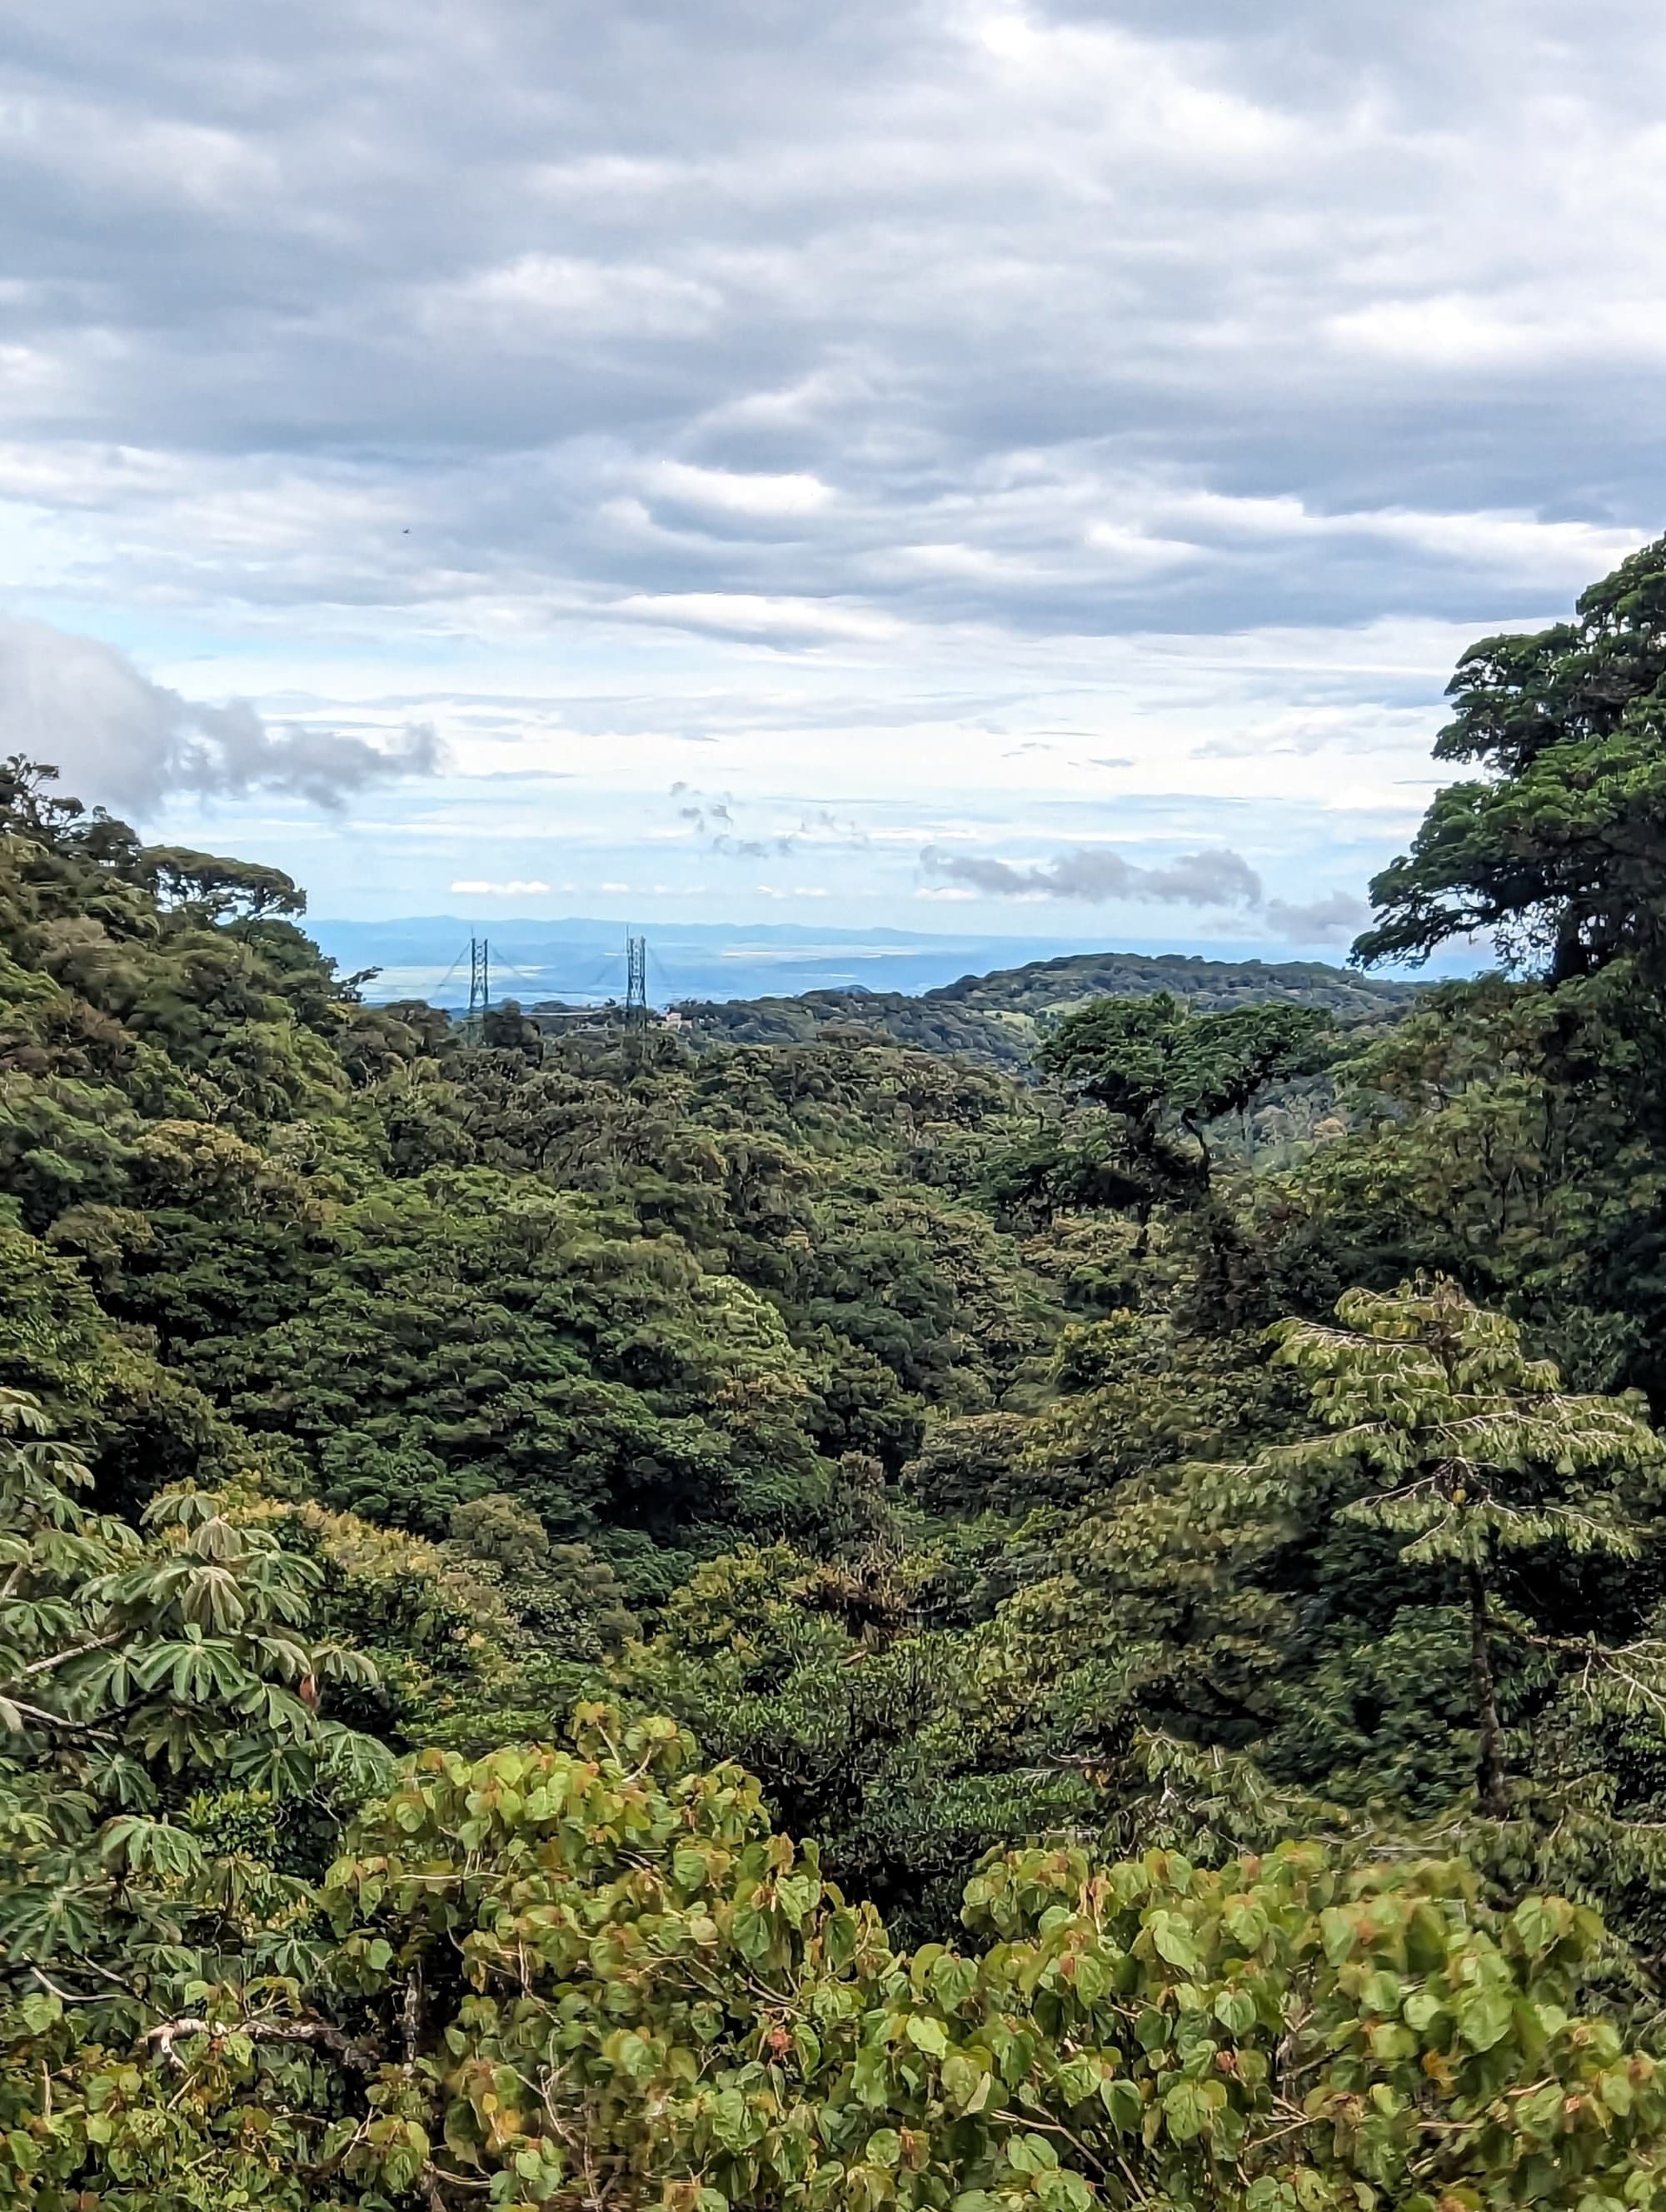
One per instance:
(84, 709)
(1217, 881)
(1037, 455)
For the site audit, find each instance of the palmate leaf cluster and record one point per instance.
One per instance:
(164, 1721)
(154, 1683)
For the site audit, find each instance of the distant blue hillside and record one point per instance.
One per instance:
(427, 957)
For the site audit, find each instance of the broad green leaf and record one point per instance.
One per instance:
(1175, 1942)
(1184, 2110)
(1122, 2101)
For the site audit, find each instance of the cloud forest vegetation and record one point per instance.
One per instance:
(1045, 1598)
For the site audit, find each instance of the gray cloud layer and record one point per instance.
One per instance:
(788, 323)
(1215, 880)
(128, 743)
(1220, 878)
(829, 387)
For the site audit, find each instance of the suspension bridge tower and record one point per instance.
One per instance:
(480, 979)
(636, 982)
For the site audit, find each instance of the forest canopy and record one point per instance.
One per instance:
(1051, 1596)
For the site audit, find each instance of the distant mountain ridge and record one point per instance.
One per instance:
(427, 957)
(1070, 980)
(999, 1016)
(581, 958)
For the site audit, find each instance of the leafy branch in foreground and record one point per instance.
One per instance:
(153, 1683)
(597, 1978)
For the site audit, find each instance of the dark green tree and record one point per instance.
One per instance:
(1558, 847)
(218, 890)
(1165, 1074)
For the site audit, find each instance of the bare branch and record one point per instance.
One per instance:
(356, 2055)
(55, 1659)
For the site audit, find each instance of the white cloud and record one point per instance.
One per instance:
(1503, 543)
(1140, 100)
(731, 492)
(540, 300)
(158, 159)
(1131, 549)
(1455, 331)
(475, 887)
(118, 738)
(754, 614)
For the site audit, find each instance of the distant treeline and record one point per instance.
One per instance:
(999, 1019)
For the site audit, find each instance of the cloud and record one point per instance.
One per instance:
(1211, 328)
(118, 738)
(541, 300)
(474, 887)
(713, 820)
(1092, 875)
(1208, 369)
(758, 614)
(731, 492)
(1338, 914)
(1214, 879)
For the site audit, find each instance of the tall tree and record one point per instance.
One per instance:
(1164, 1074)
(1470, 1450)
(1559, 846)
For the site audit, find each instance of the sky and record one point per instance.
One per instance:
(1023, 468)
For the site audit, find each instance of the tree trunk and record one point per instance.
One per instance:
(1204, 1160)
(1489, 1765)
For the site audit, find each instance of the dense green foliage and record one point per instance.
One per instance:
(1209, 986)
(1110, 1558)
(601, 1977)
(923, 1022)
(1000, 1017)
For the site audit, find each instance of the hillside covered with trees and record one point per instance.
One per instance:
(1002, 1017)
(816, 1621)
